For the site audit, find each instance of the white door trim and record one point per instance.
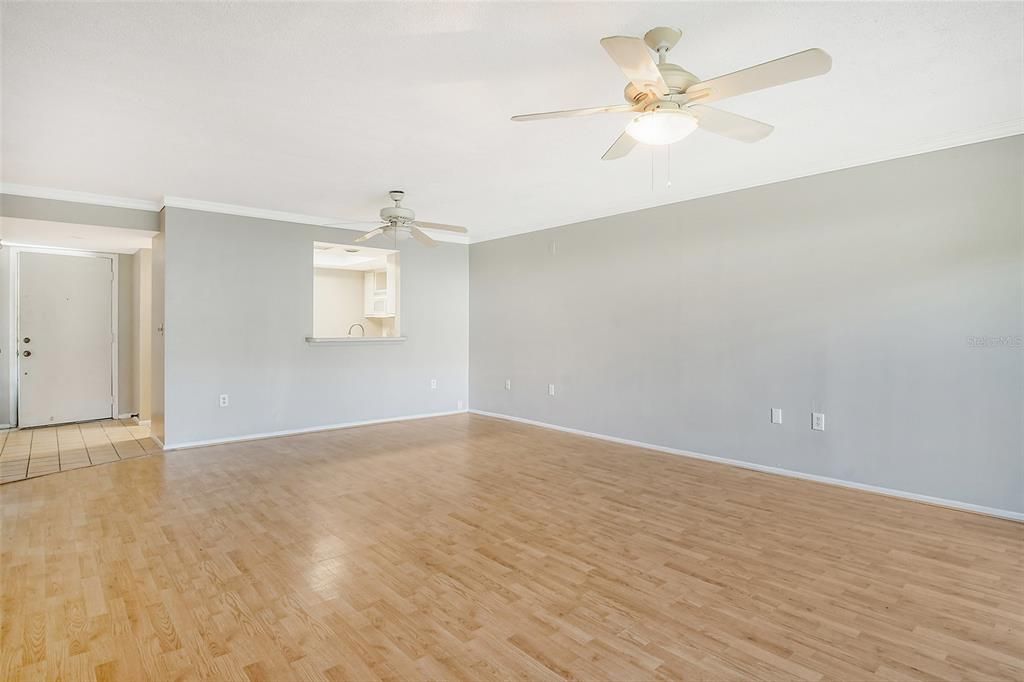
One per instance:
(13, 306)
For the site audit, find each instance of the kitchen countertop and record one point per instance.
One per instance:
(342, 340)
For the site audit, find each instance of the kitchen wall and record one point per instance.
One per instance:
(888, 297)
(339, 302)
(239, 304)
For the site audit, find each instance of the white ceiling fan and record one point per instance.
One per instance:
(670, 101)
(398, 220)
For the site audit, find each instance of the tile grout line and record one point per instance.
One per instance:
(62, 450)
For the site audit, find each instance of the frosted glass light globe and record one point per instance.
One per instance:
(663, 126)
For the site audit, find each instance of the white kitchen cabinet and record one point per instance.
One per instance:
(380, 291)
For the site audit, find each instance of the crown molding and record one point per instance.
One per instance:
(198, 205)
(247, 211)
(284, 216)
(79, 197)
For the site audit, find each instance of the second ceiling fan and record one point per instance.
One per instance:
(398, 220)
(670, 102)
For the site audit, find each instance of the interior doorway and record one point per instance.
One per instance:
(66, 337)
(75, 335)
(124, 256)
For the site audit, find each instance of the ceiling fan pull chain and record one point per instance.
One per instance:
(652, 169)
(668, 166)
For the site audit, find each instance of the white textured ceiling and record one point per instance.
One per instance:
(319, 109)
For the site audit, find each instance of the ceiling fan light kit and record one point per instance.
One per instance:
(662, 126)
(670, 102)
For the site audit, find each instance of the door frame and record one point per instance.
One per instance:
(14, 305)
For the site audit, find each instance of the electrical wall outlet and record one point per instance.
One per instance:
(776, 415)
(551, 389)
(433, 384)
(223, 399)
(508, 384)
(817, 421)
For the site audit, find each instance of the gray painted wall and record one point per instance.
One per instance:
(14, 206)
(5, 336)
(239, 304)
(157, 359)
(127, 335)
(853, 293)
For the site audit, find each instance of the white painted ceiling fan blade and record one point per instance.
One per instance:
(421, 236)
(371, 234)
(569, 113)
(623, 145)
(441, 226)
(730, 125)
(634, 58)
(354, 224)
(806, 64)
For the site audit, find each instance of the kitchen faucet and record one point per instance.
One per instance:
(361, 328)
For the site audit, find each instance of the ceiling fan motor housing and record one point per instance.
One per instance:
(676, 78)
(398, 214)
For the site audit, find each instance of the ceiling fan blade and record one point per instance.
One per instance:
(777, 72)
(634, 58)
(441, 226)
(806, 64)
(371, 234)
(355, 224)
(731, 125)
(421, 236)
(573, 112)
(623, 145)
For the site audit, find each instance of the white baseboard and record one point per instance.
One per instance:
(294, 432)
(142, 422)
(5, 426)
(939, 501)
(158, 441)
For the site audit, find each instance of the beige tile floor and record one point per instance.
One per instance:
(27, 453)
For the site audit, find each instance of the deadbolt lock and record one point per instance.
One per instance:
(26, 340)
(27, 353)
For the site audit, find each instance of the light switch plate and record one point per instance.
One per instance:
(551, 389)
(508, 384)
(817, 421)
(776, 415)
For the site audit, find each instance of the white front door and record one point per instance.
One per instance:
(65, 338)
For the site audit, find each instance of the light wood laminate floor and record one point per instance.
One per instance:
(470, 548)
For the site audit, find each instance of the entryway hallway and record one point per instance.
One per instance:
(27, 453)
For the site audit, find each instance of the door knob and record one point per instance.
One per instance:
(27, 353)
(26, 340)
